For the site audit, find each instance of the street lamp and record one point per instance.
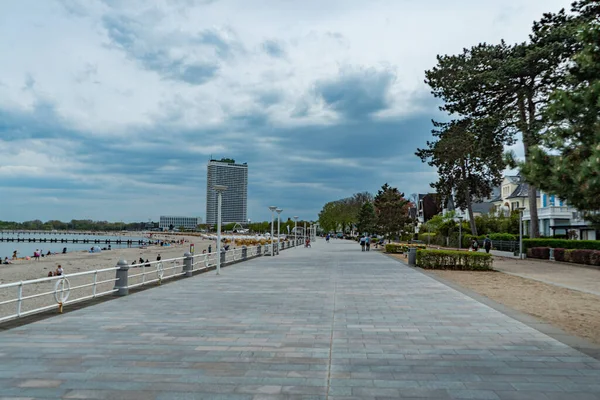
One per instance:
(295, 230)
(279, 210)
(272, 208)
(219, 189)
(521, 209)
(460, 219)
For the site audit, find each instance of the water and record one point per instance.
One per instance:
(26, 248)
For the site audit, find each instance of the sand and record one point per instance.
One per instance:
(80, 261)
(573, 311)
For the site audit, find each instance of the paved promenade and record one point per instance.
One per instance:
(329, 322)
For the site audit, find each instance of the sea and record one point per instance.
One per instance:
(27, 248)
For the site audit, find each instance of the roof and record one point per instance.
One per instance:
(516, 179)
(522, 191)
(482, 208)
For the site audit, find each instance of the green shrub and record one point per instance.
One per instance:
(393, 248)
(562, 243)
(504, 236)
(542, 253)
(455, 260)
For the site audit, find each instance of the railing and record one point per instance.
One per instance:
(39, 295)
(505, 245)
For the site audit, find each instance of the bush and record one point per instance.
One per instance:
(581, 256)
(504, 236)
(559, 254)
(539, 252)
(400, 248)
(454, 260)
(562, 243)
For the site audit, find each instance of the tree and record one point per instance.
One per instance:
(391, 209)
(508, 84)
(367, 219)
(469, 163)
(568, 161)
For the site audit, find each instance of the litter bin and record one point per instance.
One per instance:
(412, 257)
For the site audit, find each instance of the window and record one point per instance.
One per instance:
(514, 205)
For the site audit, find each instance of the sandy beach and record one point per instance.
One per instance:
(81, 261)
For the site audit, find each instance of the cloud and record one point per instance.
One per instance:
(274, 49)
(357, 93)
(122, 123)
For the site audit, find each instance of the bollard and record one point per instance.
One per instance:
(223, 253)
(121, 284)
(551, 254)
(258, 250)
(244, 252)
(188, 264)
(412, 257)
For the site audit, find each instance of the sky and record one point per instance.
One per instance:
(110, 110)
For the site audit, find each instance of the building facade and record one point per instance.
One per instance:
(166, 222)
(235, 198)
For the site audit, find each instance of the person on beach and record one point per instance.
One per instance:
(36, 254)
(14, 257)
(59, 270)
(158, 258)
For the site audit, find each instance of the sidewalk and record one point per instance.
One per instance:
(567, 275)
(325, 323)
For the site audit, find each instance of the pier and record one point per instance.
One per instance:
(62, 240)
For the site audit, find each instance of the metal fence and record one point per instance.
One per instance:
(505, 245)
(20, 299)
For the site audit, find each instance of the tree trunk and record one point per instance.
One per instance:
(472, 220)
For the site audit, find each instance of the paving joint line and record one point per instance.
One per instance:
(331, 337)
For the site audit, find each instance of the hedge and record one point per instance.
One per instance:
(562, 244)
(577, 256)
(454, 260)
(400, 248)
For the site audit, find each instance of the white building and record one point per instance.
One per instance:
(555, 216)
(166, 222)
(235, 198)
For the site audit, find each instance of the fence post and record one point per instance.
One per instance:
(258, 250)
(222, 255)
(188, 264)
(244, 252)
(121, 284)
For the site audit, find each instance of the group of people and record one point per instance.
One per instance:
(487, 244)
(365, 243)
(58, 272)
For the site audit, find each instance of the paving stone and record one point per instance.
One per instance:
(326, 322)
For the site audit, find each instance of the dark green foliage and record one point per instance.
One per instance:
(392, 211)
(342, 214)
(562, 243)
(469, 162)
(568, 161)
(454, 260)
(367, 219)
(400, 248)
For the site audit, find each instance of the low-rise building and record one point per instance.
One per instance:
(176, 222)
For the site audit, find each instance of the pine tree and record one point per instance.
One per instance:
(367, 219)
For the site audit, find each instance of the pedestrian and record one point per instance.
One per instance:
(368, 243)
(487, 243)
(362, 243)
(475, 244)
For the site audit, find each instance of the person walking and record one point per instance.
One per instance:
(368, 243)
(362, 243)
(475, 244)
(487, 243)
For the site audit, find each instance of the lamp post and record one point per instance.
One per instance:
(272, 208)
(278, 211)
(460, 219)
(219, 189)
(295, 230)
(521, 209)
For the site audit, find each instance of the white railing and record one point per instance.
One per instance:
(64, 289)
(39, 295)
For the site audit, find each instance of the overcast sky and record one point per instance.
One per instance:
(111, 109)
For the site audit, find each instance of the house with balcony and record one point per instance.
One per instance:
(555, 216)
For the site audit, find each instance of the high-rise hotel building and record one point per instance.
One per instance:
(234, 207)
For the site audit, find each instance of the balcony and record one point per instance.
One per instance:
(553, 212)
